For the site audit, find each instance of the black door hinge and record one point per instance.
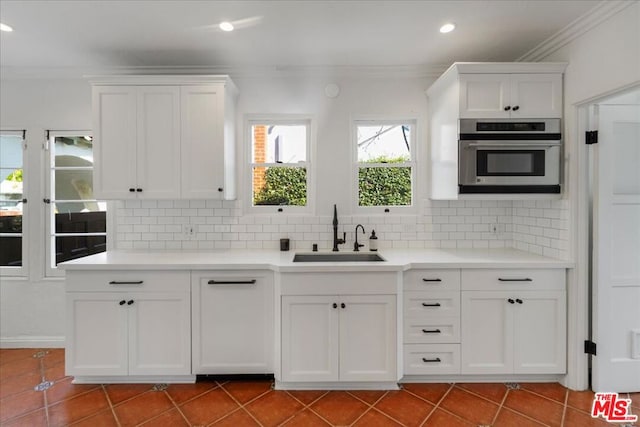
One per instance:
(591, 137)
(590, 347)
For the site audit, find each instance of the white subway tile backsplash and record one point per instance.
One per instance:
(537, 226)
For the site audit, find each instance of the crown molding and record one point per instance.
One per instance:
(598, 14)
(330, 71)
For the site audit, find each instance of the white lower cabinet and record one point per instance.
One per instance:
(232, 315)
(338, 338)
(128, 334)
(123, 327)
(513, 332)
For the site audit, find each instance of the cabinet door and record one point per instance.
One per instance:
(96, 341)
(114, 142)
(368, 338)
(203, 149)
(540, 333)
(487, 331)
(309, 338)
(158, 142)
(232, 324)
(159, 333)
(484, 96)
(536, 95)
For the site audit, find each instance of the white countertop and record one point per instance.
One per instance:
(242, 259)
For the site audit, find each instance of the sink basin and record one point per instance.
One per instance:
(338, 257)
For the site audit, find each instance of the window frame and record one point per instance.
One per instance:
(50, 234)
(356, 165)
(22, 271)
(280, 119)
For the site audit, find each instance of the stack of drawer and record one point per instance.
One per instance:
(431, 322)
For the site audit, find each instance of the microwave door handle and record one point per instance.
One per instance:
(519, 144)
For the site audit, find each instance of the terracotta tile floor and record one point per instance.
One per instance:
(238, 403)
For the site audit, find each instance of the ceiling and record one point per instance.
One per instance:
(95, 35)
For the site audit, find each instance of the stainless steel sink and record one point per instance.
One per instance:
(338, 257)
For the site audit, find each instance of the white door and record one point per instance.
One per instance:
(114, 142)
(484, 96)
(158, 142)
(232, 324)
(487, 332)
(159, 333)
(203, 149)
(536, 95)
(540, 340)
(368, 338)
(616, 250)
(310, 338)
(96, 342)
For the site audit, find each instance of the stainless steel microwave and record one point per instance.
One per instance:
(509, 156)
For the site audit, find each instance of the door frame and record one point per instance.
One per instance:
(579, 296)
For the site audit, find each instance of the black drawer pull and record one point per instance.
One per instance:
(435, 304)
(232, 282)
(436, 360)
(130, 302)
(511, 301)
(116, 282)
(431, 331)
(122, 302)
(526, 279)
(431, 280)
(519, 301)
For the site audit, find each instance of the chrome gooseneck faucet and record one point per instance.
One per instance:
(356, 245)
(337, 241)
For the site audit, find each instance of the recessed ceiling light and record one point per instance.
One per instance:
(447, 28)
(5, 27)
(226, 26)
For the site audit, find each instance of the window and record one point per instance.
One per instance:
(12, 203)
(77, 221)
(280, 166)
(385, 164)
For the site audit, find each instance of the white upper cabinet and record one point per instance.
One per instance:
(164, 137)
(510, 95)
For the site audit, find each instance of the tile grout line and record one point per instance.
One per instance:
(437, 405)
(240, 405)
(305, 406)
(564, 407)
(504, 399)
(175, 406)
(308, 406)
(44, 392)
(370, 407)
(515, 411)
(113, 411)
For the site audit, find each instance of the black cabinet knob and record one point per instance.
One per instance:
(335, 305)
(519, 301)
(122, 302)
(132, 190)
(220, 189)
(139, 190)
(130, 302)
(516, 108)
(343, 305)
(511, 301)
(507, 108)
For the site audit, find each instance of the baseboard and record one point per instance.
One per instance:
(32, 342)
